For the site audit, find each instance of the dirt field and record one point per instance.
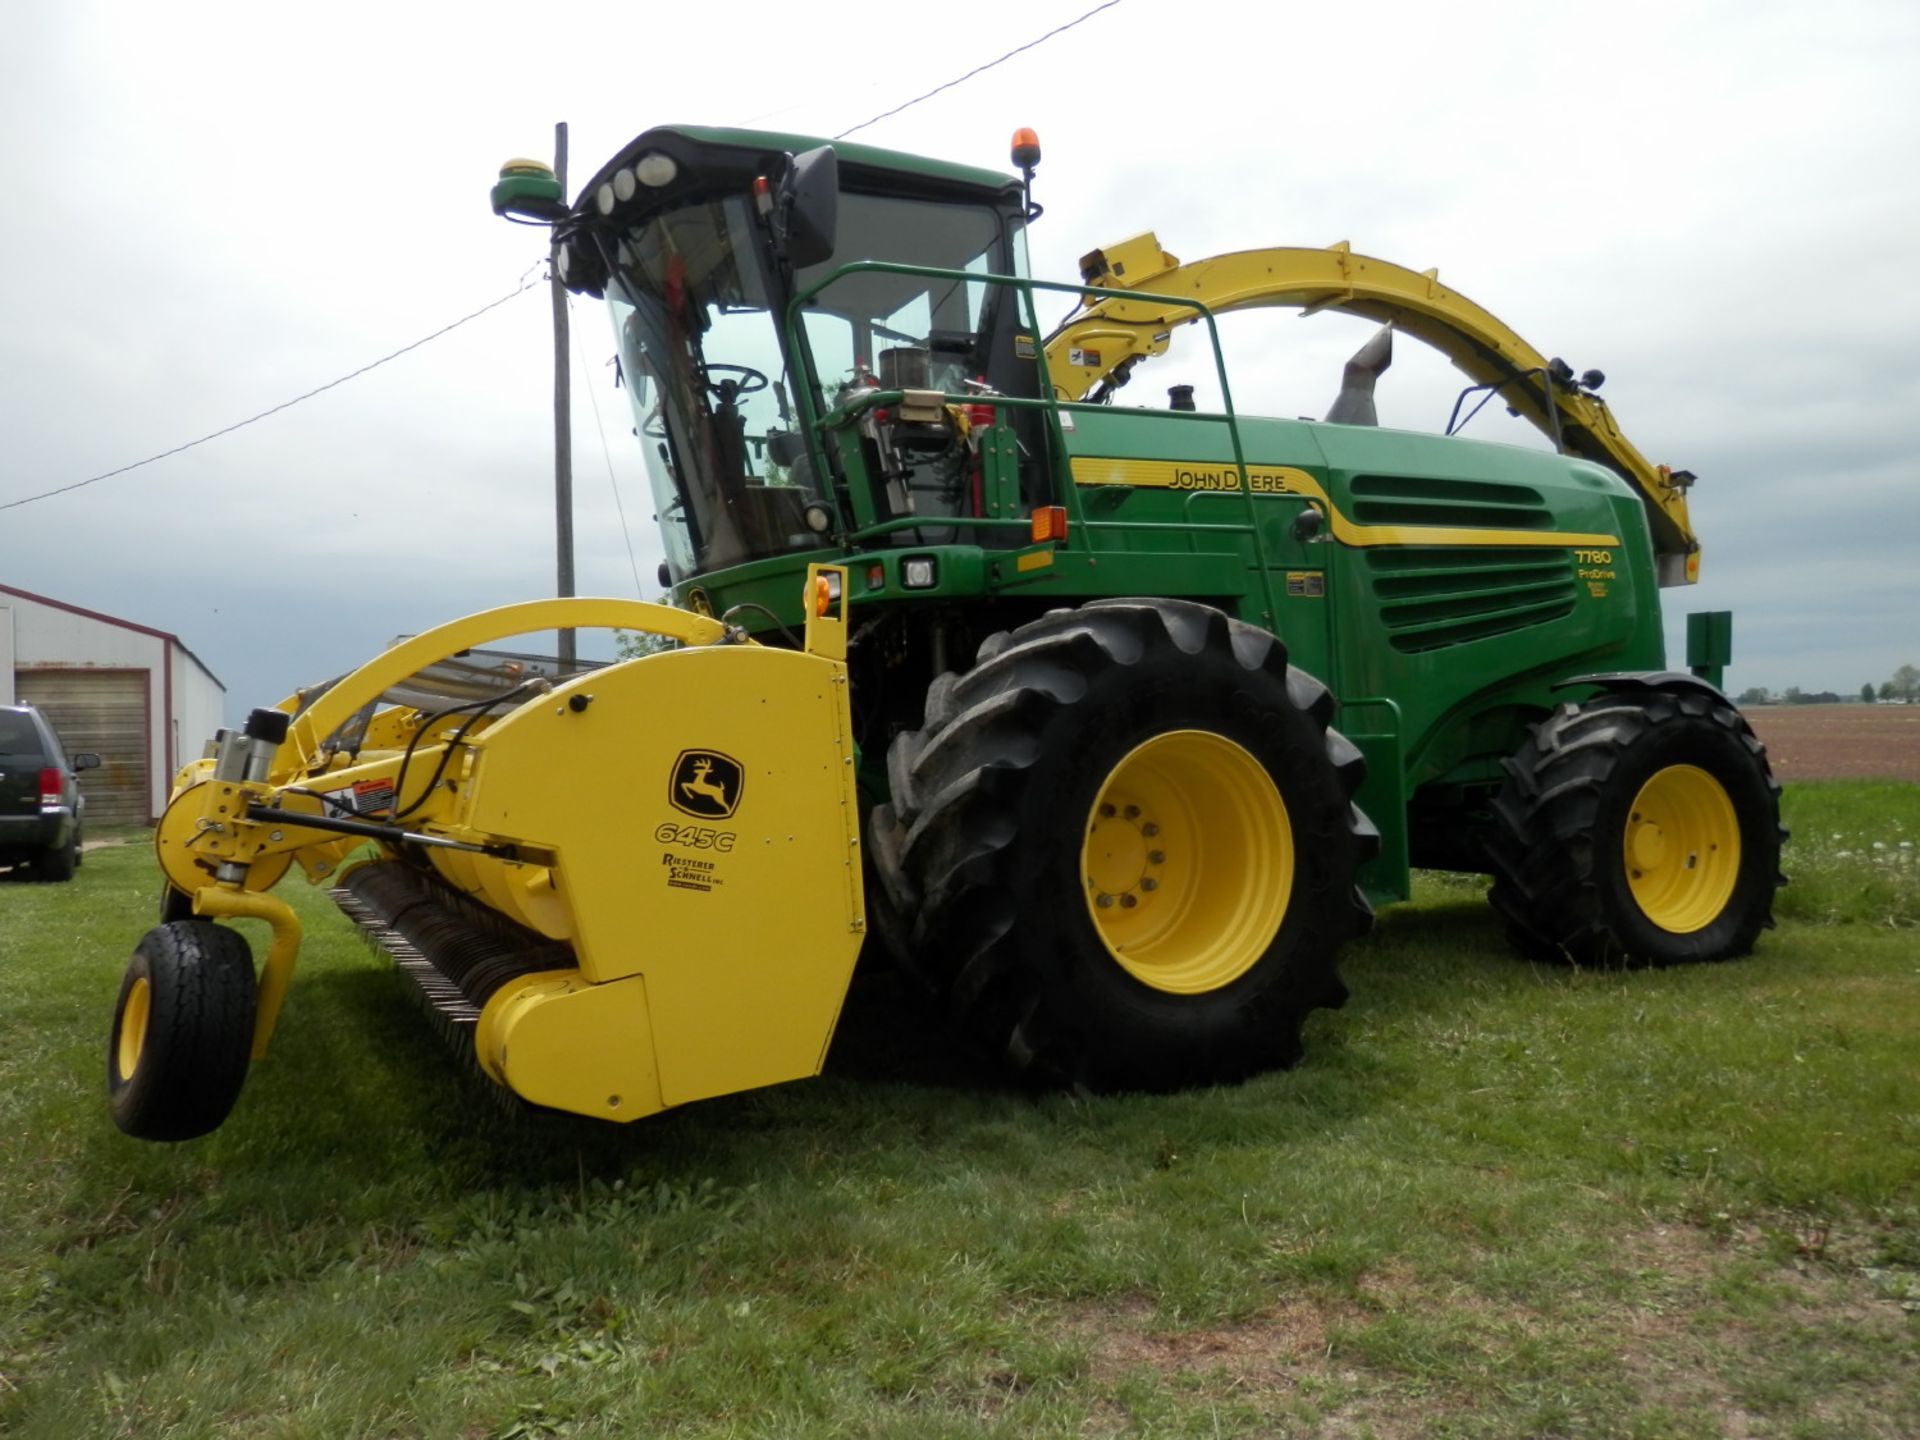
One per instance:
(1840, 742)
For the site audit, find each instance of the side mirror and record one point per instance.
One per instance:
(808, 210)
(86, 760)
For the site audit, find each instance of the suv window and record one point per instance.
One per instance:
(18, 734)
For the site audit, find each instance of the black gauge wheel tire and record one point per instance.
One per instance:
(182, 1031)
(1011, 905)
(1582, 808)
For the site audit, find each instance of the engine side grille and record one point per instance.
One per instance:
(1433, 597)
(1479, 504)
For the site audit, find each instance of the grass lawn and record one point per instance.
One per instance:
(1495, 1200)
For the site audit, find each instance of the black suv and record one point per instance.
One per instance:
(40, 804)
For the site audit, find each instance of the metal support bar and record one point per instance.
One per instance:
(277, 970)
(562, 417)
(370, 830)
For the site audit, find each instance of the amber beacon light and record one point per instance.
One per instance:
(1026, 155)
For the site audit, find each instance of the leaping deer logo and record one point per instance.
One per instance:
(701, 785)
(705, 783)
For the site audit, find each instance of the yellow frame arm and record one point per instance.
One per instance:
(310, 729)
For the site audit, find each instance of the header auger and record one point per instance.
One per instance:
(1109, 724)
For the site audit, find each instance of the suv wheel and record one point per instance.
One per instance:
(57, 865)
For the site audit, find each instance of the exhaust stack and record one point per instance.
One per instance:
(1354, 404)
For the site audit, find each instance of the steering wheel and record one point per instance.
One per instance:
(752, 383)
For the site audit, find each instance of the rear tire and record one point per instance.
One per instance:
(57, 866)
(1124, 848)
(1639, 828)
(182, 1031)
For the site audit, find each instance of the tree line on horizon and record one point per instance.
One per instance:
(1903, 685)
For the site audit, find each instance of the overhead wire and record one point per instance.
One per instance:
(981, 69)
(521, 288)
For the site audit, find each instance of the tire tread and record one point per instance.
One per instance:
(1548, 883)
(943, 845)
(202, 995)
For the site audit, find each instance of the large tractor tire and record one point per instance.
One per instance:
(1123, 849)
(182, 1031)
(1639, 828)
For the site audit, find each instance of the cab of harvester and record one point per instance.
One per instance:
(753, 357)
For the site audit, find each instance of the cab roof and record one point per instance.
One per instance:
(854, 159)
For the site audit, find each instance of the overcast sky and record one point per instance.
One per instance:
(210, 209)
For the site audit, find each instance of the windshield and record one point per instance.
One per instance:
(696, 314)
(905, 332)
(694, 317)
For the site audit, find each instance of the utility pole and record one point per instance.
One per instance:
(562, 415)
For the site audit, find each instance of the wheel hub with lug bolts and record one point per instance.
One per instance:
(1681, 848)
(1122, 860)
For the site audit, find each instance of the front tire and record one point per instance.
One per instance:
(1125, 849)
(182, 1031)
(1639, 828)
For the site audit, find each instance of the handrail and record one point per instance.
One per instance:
(1051, 395)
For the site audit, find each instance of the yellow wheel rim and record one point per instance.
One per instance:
(133, 1027)
(1187, 865)
(1682, 849)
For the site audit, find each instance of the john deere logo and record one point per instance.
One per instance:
(705, 783)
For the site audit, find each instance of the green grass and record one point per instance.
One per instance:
(1855, 854)
(1496, 1200)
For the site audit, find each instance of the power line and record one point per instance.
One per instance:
(525, 285)
(980, 69)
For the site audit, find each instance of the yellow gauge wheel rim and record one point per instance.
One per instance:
(1682, 849)
(1187, 864)
(133, 1027)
